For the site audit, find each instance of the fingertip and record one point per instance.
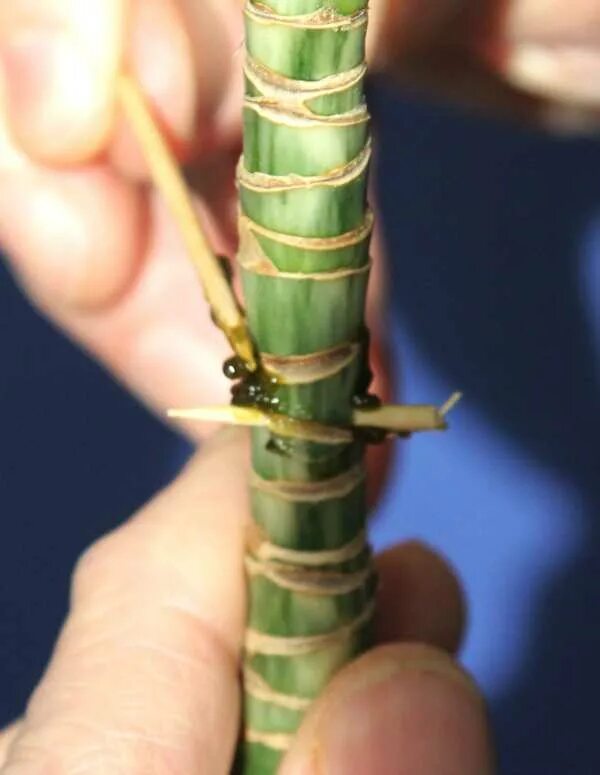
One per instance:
(182, 54)
(74, 239)
(160, 57)
(216, 33)
(60, 66)
(56, 112)
(401, 709)
(419, 598)
(402, 27)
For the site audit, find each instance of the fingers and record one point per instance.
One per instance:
(403, 28)
(553, 49)
(102, 258)
(545, 47)
(181, 53)
(143, 317)
(159, 54)
(145, 674)
(217, 35)
(61, 58)
(401, 710)
(92, 248)
(419, 598)
(75, 238)
(554, 21)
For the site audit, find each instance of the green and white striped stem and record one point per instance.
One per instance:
(303, 375)
(304, 260)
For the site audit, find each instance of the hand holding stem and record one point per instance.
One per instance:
(144, 677)
(95, 251)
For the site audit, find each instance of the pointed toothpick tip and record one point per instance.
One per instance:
(451, 403)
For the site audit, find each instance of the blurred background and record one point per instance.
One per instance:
(493, 236)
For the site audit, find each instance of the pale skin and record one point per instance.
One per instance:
(144, 676)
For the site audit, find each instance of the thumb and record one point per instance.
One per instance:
(402, 709)
(60, 59)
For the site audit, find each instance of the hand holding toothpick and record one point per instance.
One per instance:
(91, 277)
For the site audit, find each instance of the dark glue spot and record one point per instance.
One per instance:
(235, 368)
(370, 435)
(366, 401)
(253, 389)
(278, 447)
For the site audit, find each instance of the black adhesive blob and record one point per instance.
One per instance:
(235, 368)
(257, 389)
(366, 401)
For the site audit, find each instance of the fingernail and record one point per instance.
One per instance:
(562, 72)
(50, 90)
(423, 718)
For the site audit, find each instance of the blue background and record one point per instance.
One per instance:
(494, 239)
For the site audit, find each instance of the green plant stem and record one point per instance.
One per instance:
(304, 259)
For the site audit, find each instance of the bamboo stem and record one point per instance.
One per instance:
(169, 181)
(304, 261)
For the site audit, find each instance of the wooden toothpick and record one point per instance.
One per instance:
(450, 403)
(396, 419)
(169, 181)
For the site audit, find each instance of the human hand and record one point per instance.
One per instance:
(533, 59)
(114, 306)
(88, 240)
(144, 677)
(91, 244)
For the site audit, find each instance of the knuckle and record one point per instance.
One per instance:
(68, 746)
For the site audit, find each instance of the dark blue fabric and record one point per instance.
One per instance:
(494, 240)
(77, 456)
